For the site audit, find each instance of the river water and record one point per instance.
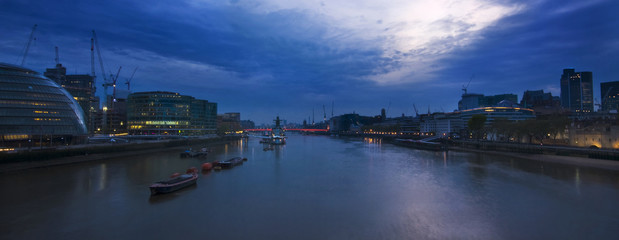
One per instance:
(314, 187)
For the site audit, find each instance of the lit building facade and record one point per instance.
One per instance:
(169, 113)
(81, 87)
(610, 96)
(447, 123)
(36, 111)
(577, 91)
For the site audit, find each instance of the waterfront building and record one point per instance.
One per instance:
(229, 122)
(169, 113)
(474, 100)
(594, 135)
(577, 91)
(441, 123)
(37, 111)
(81, 87)
(610, 96)
(456, 122)
(350, 123)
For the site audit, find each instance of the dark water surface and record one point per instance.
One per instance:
(315, 187)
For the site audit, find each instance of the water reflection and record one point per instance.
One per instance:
(347, 188)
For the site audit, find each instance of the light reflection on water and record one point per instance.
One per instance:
(315, 187)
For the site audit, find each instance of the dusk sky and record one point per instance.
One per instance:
(287, 57)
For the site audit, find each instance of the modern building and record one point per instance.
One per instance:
(36, 111)
(81, 87)
(542, 103)
(610, 96)
(229, 121)
(349, 123)
(473, 100)
(577, 91)
(169, 113)
(455, 122)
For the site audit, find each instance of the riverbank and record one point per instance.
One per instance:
(571, 160)
(87, 153)
(595, 158)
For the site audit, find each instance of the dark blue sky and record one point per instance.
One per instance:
(283, 57)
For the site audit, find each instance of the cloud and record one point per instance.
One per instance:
(296, 55)
(411, 36)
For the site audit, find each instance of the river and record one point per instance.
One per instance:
(314, 187)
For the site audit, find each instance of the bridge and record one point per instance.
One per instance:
(286, 129)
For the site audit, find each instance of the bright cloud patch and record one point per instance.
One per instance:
(413, 35)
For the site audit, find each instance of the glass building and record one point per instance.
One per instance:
(577, 91)
(36, 111)
(169, 113)
(610, 96)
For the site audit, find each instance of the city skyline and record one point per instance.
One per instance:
(270, 58)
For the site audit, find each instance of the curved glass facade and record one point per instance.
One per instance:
(36, 111)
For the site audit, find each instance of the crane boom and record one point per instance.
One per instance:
(23, 60)
(128, 82)
(94, 35)
(57, 58)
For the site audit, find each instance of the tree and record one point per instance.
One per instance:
(476, 124)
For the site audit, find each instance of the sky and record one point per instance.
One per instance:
(300, 59)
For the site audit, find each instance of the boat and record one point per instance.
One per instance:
(230, 162)
(277, 133)
(191, 153)
(176, 183)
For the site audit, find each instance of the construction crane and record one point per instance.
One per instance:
(23, 59)
(464, 88)
(416, 112)
(113, 84)
(94, 36)
(92, 59)
(128, 82)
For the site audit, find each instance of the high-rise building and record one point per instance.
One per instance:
(577, 91)
(81, 87)
(610, 96)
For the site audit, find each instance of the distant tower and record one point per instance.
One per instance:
(577, 91)
(383, 114)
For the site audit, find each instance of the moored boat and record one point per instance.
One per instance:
(231, 162)
(174, 184)
(191, 153)
(278, 136)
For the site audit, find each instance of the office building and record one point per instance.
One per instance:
(473, 100)
(81, 87)
(36, 111)
(577, 91)
(542, 103)
(169, 113)
(610, 96)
